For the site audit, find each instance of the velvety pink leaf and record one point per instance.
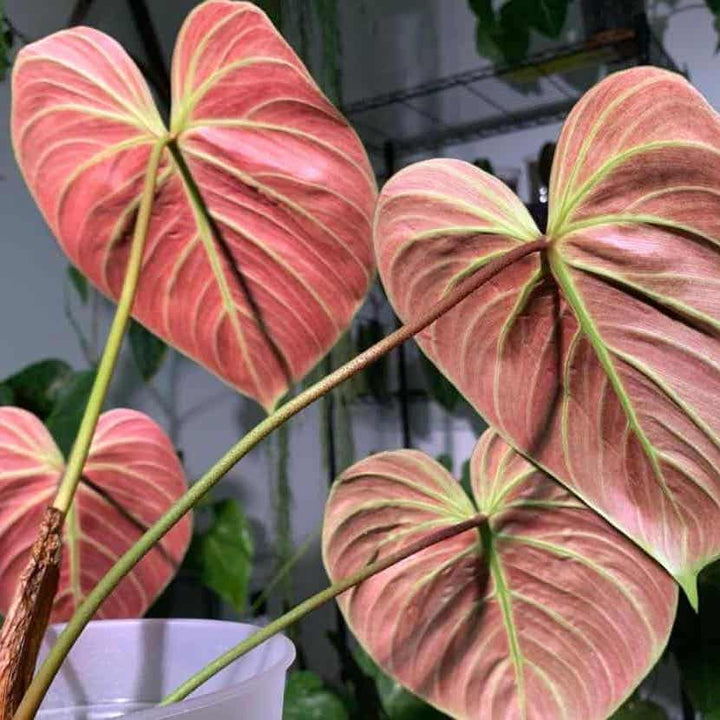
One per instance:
(260, 297)
(601, 361)
(132, 476)
(547, 612)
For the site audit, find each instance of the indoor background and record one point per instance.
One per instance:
(383, 49)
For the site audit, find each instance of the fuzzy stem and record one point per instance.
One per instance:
(127, 562)
(81, 446)
(314, 602)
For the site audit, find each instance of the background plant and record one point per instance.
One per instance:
(505, 29)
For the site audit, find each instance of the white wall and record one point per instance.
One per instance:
(387, 44)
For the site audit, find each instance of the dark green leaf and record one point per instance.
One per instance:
(397, 702)
(484, 11)
(504, 37)
(326, 12)
(545, 160)
(640, 710)
(147, 350)
(6, 395)
(713, 6)
(440, 388)
(546, 16)
(513, 38)
(223, 554)
(484, 164)
(446, 461)
(79, 282)
(487, 33)
(465, 478)
(696, 644)
(306, 698)
(6, 42)
(358, 692)
(64, 420)
(37, 387)
(273, 8)
(487, 40)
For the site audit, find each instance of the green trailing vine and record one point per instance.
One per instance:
(283, 501)
(344, 396)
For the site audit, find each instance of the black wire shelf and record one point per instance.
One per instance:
(612, 49)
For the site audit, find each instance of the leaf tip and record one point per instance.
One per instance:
(688, 583)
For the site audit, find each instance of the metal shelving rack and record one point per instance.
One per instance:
(614, 49)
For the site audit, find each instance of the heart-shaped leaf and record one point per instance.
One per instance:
(546, 612)
(262, 289)
(600, 359)
(148, 351)
(132, 476)
(39, 387)
(307, 698)
(67, 413)
(222, 555)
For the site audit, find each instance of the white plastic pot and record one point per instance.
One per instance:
(127, 666)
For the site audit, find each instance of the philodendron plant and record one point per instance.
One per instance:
(243, 236)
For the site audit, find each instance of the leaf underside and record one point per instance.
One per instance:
(261, 289)
(547, 612)
(132, 476)
(599, 359)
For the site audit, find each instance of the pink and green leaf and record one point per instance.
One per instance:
(131, 478)
(547, 612)
(600, 359)
(261, 289)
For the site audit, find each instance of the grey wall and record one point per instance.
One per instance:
(387, 44)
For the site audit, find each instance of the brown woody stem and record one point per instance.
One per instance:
(127, 562)
(29, 613)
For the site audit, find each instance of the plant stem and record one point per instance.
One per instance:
(314, 602)
(127, 562)
(81, 446)
(284, 570)
(283, 514)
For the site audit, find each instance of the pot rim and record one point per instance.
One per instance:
(208, 699)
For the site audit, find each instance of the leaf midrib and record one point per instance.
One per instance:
(593, 335)
(504, 599)
(208, 242)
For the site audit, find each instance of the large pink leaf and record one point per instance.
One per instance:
(601, 359)
(546, 612)
(260, 297)
(132, 476)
